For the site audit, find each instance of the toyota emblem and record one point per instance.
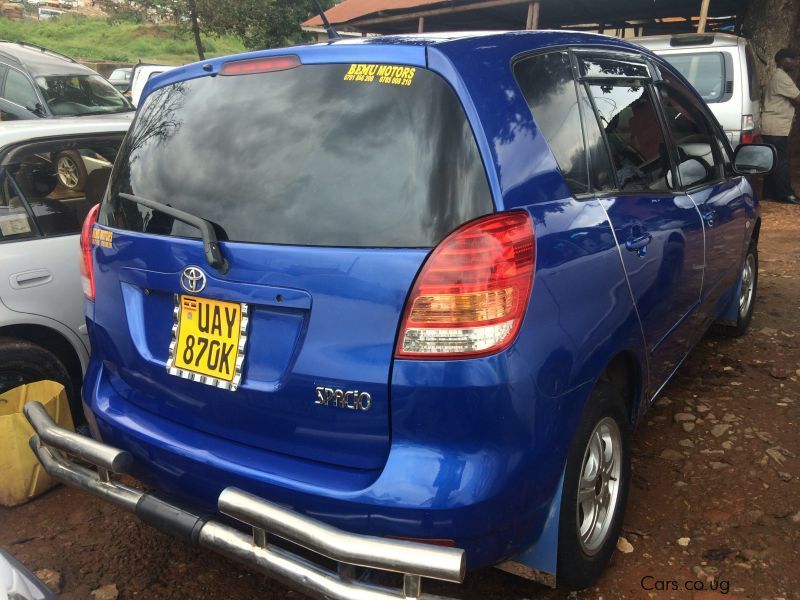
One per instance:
(193, 280)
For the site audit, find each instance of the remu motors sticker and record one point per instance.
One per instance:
(102, 238)
(388, 74)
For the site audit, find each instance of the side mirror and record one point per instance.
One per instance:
(754, 159)
(691, 171)
(36, 108)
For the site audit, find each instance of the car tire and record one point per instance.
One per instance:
(597, 472)
(70, 170)
(747, 295)
(23, 362)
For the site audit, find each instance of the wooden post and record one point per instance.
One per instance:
(532, 22)
(701, 25)
(421, 25)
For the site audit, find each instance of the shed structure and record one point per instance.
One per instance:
(619, 17)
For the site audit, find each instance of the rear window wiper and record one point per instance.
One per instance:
(210, 244)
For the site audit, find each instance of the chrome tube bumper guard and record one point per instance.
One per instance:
(53, 447)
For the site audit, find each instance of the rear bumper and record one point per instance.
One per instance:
(481, 489)
(54, 446)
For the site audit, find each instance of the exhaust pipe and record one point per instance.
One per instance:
(54, 445)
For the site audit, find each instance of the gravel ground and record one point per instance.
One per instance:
(714, 504)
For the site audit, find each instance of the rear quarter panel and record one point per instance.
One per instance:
(580, 316)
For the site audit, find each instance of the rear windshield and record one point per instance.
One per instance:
(704, 70)
(320, 155)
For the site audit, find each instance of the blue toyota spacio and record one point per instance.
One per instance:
(399, 301)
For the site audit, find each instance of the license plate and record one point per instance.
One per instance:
(208, 343)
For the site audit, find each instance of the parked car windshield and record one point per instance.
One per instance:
(313, 155)
(74, 95)
(704, 70)
(120, 75)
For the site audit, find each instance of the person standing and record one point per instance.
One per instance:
(780, 99)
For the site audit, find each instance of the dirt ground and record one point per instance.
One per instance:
(714, 504)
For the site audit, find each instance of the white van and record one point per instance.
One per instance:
(49, 13)
(722, 67)
(141, 74)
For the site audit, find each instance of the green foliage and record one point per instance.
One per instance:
(260, 23)
(120, 41)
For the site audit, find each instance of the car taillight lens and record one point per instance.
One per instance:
(472, 293)
(748, 130)
(87, 266)
(747, 137)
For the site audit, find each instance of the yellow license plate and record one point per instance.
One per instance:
(207, 341)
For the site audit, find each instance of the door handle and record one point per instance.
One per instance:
(28, 279)
(639, 244)
(708, 218)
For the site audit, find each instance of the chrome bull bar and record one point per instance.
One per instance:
(53, 447)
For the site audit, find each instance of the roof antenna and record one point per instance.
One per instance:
(332, 34)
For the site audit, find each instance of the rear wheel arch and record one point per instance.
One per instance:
(57, 344)
(756, 232)
(625, 374)
(611, 408)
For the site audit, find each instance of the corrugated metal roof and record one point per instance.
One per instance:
(507, 15)
(354, 9)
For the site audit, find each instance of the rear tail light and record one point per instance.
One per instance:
(472, 293)
(87, 265)
(260, 65)
(748, 130)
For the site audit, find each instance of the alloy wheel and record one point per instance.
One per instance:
(599, 485)
(68, 173)
(748, 285)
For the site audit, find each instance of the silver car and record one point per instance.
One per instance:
(18, 583)
(722, 67)
(51, 174)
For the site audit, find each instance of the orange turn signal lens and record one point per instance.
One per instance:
(455, 309)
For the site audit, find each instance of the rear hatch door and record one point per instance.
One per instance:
(327, 185)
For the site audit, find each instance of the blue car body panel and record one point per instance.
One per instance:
(469, 450)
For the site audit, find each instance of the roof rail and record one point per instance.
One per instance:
(42, 48)
(10, 57)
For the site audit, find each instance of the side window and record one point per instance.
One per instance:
(15, 223)
(638, 149)
(699, 160)
(8, 111)
(19, 90)
(602, 173)
(549, 89)
(6, 114)
(62, 181)
(752, 74)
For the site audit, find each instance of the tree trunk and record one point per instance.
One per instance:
(196, 29)
(770, 25)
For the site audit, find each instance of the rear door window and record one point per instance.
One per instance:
(601, 171)
(636, 140)
(59, 181)
(318, 155)
(15, 222)
(19, 90)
